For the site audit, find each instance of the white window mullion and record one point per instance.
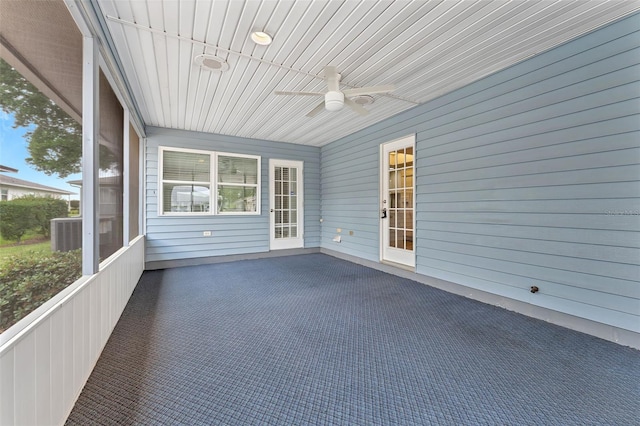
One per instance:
(214, 183)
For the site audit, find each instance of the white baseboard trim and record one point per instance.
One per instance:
(166, 264)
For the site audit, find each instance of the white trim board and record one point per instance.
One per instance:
(178, 263)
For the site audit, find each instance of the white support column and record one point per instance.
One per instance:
(126, 158)
(142, 186)
(90, 156)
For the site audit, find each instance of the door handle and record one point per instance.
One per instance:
(384, 214)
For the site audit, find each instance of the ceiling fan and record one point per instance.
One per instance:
(335, 99)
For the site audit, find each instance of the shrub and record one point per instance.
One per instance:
(29, 280)
(15, 219)
(44, 209)
(21, 214)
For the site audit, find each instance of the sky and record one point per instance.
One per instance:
(13, 151)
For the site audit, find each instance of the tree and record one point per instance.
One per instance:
(55, 145)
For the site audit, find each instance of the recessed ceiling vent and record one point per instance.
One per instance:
(211, 63)
(363, 99)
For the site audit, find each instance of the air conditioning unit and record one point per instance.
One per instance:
(66, 233)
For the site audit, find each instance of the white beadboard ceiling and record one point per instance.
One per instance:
(425, 48)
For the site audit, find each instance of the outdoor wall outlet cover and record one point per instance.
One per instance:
(337, 238)
(339, 230)
(206, 234)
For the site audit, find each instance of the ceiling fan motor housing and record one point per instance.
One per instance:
(333, 101)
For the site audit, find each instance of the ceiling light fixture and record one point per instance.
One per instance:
(261, 38)
(211, 63)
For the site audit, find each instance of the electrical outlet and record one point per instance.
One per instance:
(206, 233)
(338, 230)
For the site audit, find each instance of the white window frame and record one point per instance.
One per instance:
(162, 181)
(243, 185)
(213, 182)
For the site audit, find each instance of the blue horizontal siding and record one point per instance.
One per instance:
(181, 237)
(530, 176)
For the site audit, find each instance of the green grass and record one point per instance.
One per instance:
(32, 243)
(31, 234)
(24, 249)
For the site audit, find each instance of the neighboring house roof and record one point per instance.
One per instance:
(11, 181)
(8, 169)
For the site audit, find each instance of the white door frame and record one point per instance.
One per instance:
(406, 258)
(298, 241)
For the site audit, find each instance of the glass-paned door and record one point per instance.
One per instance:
(286, 204)
(397, 211)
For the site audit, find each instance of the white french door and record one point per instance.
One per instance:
(286, 215)
(397, 218)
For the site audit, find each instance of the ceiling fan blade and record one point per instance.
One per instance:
(369, 90)
(299, 93)
(354, 106)
(316, 110)
(332, 77)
